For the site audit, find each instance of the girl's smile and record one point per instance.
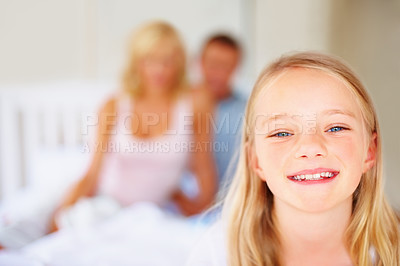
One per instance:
(314, 176)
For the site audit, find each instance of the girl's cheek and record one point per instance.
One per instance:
(273, 154)
(349, 149)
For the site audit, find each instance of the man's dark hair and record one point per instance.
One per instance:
(224, 39)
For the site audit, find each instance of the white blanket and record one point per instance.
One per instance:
(141, 234)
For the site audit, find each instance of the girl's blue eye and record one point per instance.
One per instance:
(282, 134)
(336, 129)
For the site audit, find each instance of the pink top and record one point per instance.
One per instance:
(136, 169)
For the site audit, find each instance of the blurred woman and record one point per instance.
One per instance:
(151, 131)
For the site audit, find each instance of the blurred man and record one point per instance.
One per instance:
(220, 57)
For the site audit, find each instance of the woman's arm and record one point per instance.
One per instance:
(86, 186)
(202, 161)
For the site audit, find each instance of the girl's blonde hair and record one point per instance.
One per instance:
(148, 38)
(252, 236)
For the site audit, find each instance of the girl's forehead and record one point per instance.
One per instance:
(301, 91)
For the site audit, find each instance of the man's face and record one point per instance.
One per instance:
(218, 64)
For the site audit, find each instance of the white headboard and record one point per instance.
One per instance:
(43, 130)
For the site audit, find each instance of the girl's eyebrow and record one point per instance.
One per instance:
(276, 116)
(325, 112)
(339, 112)
(293, 116)
(267, 118)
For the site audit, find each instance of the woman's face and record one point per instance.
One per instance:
(311, 146)
(159, 69)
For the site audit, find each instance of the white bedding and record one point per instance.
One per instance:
(141, 234)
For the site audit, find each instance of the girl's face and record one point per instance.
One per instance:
(311, 146)
(159, 69)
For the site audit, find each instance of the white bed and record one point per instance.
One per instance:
(43, 131)
(141, 235)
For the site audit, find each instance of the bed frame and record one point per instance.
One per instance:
(42, 132)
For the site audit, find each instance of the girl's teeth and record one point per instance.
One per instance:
(317, 176)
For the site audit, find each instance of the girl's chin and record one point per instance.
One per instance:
(317, 204)
(315, 207)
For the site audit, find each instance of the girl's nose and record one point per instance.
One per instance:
(310, 145)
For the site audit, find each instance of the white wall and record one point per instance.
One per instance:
(47, 40)
(285, 26)
(41, 40)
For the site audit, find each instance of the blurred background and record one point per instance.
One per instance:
(60, 57)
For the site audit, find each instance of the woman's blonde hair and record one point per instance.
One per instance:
(252, 236)
(144, 41)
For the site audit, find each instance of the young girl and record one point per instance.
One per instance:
(308, 189)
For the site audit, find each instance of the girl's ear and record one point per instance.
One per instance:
(253, 161)
(371, 154)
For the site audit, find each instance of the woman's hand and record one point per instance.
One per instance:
(84, 188)
(53, 222)
(202, 164)
(87, 185)
(187, 205)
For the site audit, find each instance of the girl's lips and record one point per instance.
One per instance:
(312, 176)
